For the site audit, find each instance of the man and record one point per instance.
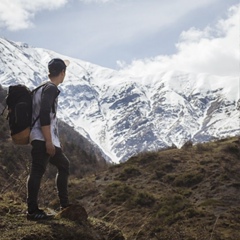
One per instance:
(45, 141)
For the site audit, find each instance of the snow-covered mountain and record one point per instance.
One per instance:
(124, 114)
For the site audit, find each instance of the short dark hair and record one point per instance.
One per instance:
(56, 66)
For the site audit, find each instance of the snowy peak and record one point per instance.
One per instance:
(125, 114)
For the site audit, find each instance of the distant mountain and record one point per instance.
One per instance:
(124, 114)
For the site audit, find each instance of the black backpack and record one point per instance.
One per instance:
(19, 105)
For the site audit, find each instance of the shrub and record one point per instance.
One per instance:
(143, 199)
(200, 147)
(159, 174)
(232, 148)
(188, 179)
(171, 206)
(191, 212)
(128, 172)
(169, 178)
(117, 192)
(147, 157)
(187, 144)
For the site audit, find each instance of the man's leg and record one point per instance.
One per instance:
(39, 162)
(62, 164)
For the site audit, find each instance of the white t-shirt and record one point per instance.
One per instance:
(38, 102)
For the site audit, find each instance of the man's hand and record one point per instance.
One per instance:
(50, 148)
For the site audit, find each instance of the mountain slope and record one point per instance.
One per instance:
(188, 193)
(125, 114)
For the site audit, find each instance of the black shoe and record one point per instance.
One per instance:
(39, 215)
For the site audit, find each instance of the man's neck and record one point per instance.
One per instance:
(55, 80)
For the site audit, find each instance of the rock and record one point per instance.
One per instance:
(74, 212)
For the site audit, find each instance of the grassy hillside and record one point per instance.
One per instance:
(191, 193)
(174, 194)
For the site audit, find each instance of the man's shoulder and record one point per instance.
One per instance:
(50, 86)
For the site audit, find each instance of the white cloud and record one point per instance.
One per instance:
(17, 14)
(213, 50)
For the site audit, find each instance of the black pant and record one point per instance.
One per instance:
(40, 159)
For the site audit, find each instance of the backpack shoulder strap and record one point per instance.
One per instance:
(35, 89)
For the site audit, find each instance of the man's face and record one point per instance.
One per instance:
(63, 74)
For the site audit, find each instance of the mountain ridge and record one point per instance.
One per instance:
(126, 114)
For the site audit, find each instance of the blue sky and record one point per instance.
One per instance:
(114, 33)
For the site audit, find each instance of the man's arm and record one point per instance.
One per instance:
(50, 148)
(49, 95)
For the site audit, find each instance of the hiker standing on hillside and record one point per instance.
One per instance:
(45, 142)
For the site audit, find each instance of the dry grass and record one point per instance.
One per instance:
(175, 194)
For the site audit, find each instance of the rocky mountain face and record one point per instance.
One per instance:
(125, 114)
